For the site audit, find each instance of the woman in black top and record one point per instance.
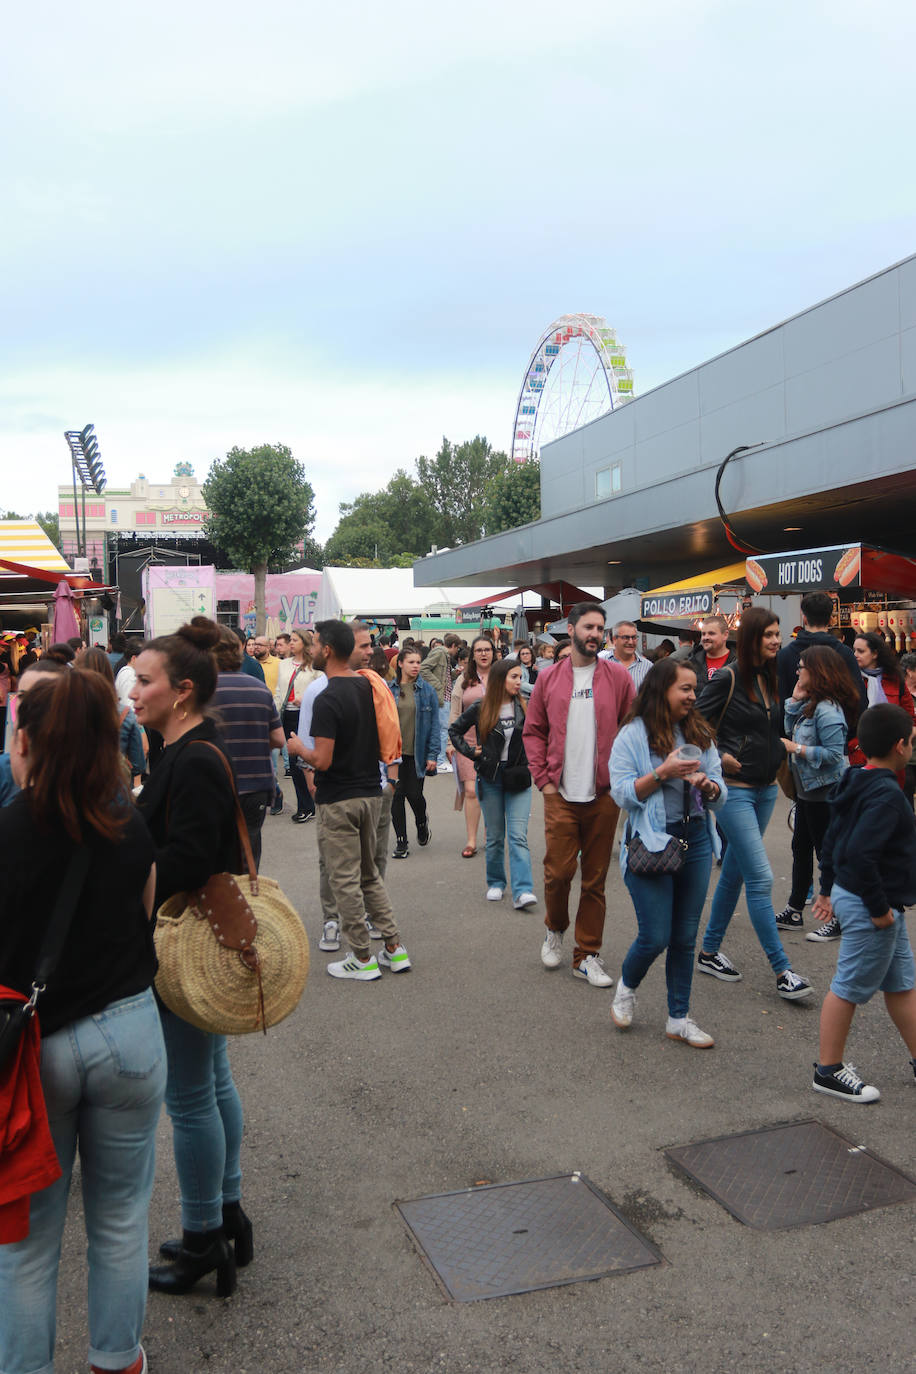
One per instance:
(102, 1054)
(741, 702)
(189, 807)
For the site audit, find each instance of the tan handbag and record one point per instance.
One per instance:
(233, 955)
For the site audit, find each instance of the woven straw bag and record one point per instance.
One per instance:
(234, 955)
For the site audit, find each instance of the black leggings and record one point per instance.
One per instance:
(304, 802)
(811, 821)
(409, 788)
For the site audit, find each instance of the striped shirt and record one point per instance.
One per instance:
(637, 669)
(246, 717)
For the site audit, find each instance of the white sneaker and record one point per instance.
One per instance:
(623, 1006)
(351, 967)
(330, 936)
(494, 894)
(592, 968)
(443, 767)
(688, 1032)
(525, 899)
(374, 932)
(552, 949)
(397, 960)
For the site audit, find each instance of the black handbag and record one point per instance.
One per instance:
(514, 777)
(657, 863)
(15, 1014)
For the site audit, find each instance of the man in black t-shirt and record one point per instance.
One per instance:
(345, 760)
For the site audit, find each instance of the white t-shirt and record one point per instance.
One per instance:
(577, 783)
(507, 725)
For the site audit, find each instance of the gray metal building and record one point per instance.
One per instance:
(830, 397)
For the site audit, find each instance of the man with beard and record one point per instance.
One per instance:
(572, 721)
(345, 759)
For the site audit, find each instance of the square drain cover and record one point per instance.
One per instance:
(783, 1176)
(507, 1238)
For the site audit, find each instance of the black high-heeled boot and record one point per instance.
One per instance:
(200, 1253)
(237, 1228)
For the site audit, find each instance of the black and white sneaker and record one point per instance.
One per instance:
(830, 930)
(401, 849)
(789, 919)
(719, 966)
(423, 834)
(792, 986)
(844, 1082)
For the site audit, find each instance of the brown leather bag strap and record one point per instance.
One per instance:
(244, 841)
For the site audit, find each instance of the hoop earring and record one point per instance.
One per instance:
(183, 715)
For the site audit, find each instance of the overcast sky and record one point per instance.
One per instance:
(344, 227)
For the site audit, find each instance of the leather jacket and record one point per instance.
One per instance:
(491, 749)
(745, 728)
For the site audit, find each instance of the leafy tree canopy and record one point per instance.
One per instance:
(260, 505)
(513, 497)
(383, 525)
(456, 481)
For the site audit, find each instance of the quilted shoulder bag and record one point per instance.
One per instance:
(650, 863)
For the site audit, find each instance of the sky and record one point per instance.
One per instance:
(344, 228)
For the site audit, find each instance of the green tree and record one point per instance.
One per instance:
(513, 497)
(50, 523)
(456, 481)
(260, 506)
(396, 522)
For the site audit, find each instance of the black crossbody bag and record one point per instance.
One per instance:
(649, 863)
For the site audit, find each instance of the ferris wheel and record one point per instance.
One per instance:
(577, 372)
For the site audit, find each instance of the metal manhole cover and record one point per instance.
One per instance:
(797, 1175)
(517, 1237)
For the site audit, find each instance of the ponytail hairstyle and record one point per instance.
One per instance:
(189, 657)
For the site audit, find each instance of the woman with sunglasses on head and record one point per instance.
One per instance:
(469, 688)
(741, 702)
(666, 796)
(820, 716)
(189, 806)
(102, 1053)
(503, 781)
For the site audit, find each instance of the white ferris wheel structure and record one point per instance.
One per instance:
(577, 372)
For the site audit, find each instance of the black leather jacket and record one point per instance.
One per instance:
(746, 729)
(491, 749)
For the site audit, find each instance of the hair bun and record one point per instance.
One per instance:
(202, 632)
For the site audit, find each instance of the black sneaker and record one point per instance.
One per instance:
(423, 834)
(718, 966)
(830, 930)
(844, 1082)
(401, 849)
(792, 986)
(789, 919)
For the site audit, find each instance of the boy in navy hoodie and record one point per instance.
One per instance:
(868, 876)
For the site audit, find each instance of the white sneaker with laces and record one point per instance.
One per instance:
(524, 899)
(398, 960)
(623, 1006)
(552, 949)
(374, 932)
(592, 968)
(330, 936)
(688, 1032)
(494, 894)
(351, 967)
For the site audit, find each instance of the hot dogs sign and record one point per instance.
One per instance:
(806, 570)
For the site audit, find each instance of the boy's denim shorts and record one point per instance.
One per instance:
(870, 960)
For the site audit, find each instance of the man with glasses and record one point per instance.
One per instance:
(624, 641)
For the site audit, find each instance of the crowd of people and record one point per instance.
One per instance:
(127, 765)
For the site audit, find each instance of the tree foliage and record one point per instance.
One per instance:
(514, 497)
(260, 506)
(383, 526)
(456, 481)
(49, 521)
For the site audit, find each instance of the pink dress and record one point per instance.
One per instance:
(461, 700)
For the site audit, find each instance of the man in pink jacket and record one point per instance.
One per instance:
(573, 717)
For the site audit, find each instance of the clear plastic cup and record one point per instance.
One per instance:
(689, 753)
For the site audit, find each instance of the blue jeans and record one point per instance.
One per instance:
(668, 910)
(505, 817)
(743, 820)
(206, 1111)
(103, 1078)
(444, 712)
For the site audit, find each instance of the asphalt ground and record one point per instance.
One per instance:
(480, 1065)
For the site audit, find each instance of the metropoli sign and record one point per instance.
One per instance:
(184, 517)
(676, 605)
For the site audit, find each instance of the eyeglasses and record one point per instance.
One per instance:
(628, 638)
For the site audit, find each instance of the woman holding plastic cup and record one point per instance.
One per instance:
(666, 775)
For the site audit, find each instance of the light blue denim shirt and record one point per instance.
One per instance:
(630, 760)
(824, 737)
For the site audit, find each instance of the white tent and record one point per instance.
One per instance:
(384, 592)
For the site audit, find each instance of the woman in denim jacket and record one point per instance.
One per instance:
(820, 716)
(418, 713)
(656, 786)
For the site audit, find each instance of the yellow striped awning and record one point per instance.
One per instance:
(732, 575)
(25, 542)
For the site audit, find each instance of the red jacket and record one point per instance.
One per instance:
(28, 1162)
(545, 723)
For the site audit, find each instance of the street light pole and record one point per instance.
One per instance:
(87, 466)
